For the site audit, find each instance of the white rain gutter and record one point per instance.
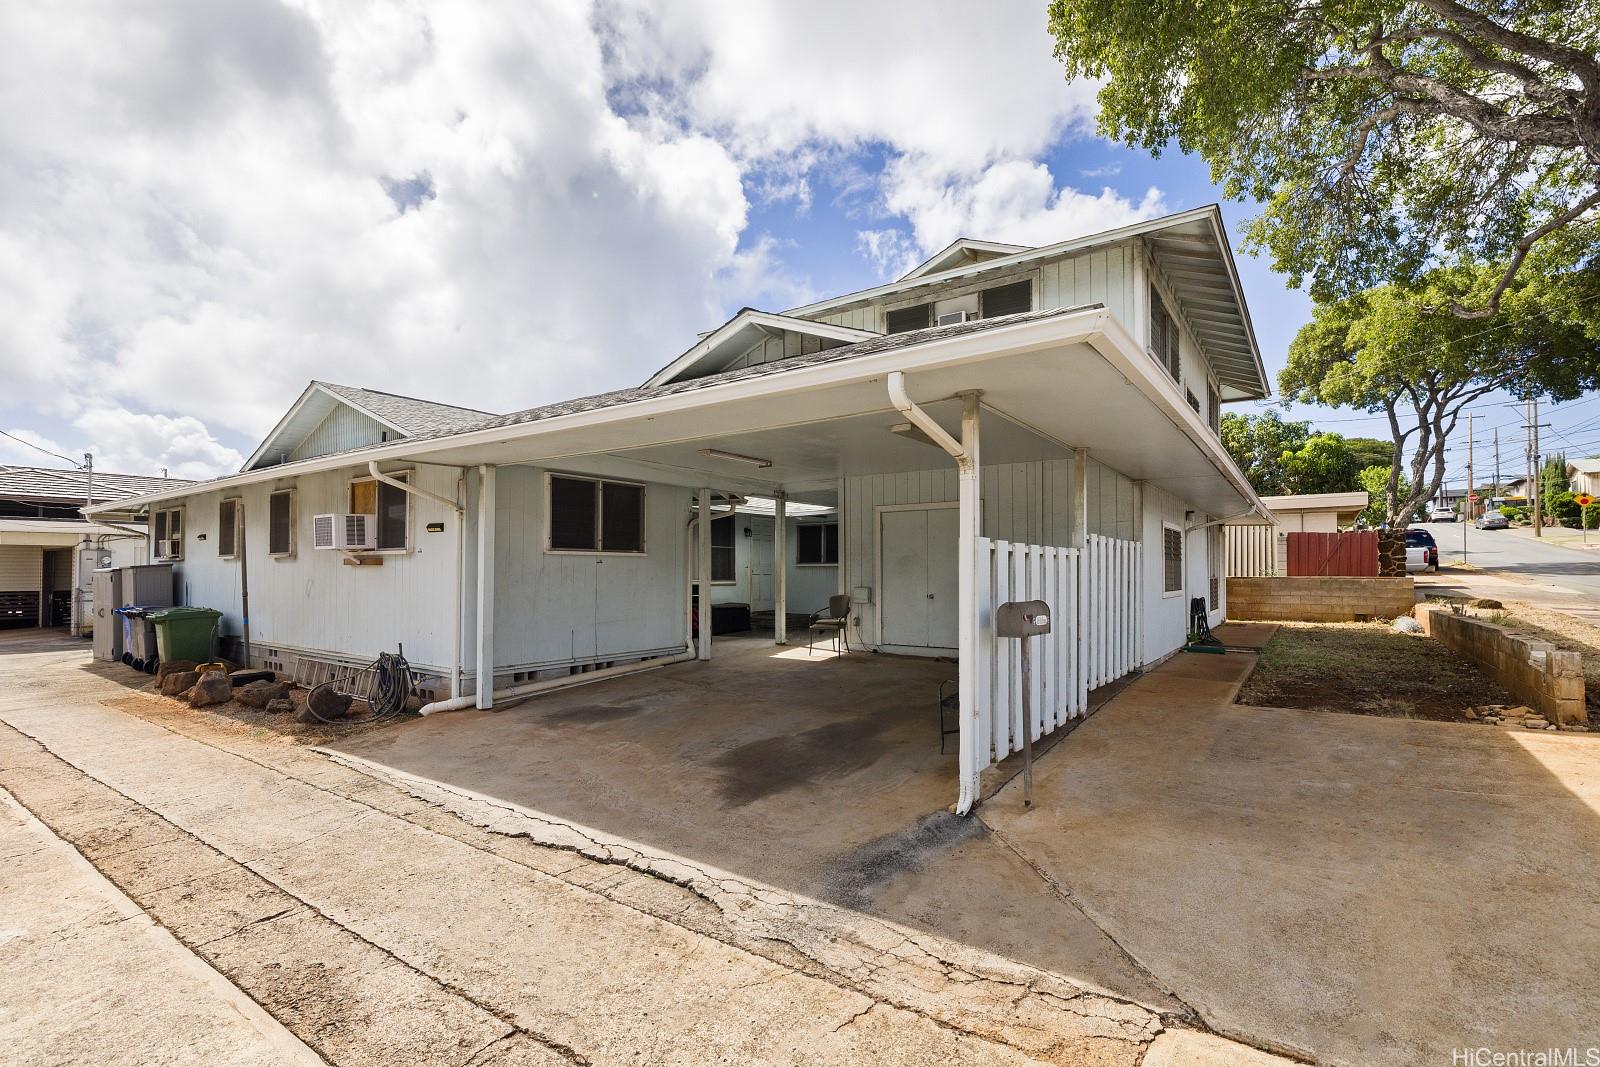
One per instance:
(460, 510)
(921, 419)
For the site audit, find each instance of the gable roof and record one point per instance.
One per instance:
(740, 333)
(963, 250)
(1590, 465)
(54, 483)
(405, 415)
(1193, 251)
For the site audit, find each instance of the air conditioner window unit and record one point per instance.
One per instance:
(346, 533)
(950, 318)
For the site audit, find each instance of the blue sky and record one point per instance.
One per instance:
(500, 204)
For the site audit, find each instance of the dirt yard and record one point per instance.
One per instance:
(1367, 669)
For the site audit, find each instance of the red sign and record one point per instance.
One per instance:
(1472, 498)
(1584, 500)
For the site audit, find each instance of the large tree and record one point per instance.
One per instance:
(1258, 444)
(1389, 350)
(1384, 138)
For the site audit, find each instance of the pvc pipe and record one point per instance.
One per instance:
(549, 684)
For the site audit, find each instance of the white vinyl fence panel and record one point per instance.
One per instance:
(1093, 594)
(1252, 551)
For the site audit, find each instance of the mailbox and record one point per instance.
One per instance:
(1022, 618)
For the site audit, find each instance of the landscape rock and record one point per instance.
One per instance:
(173, 666)
(212, 688)
(280, 707)
(323, 703)
(1484, 602)
(259, 694)
(245, 676)
(176, 682)
(1405, 624)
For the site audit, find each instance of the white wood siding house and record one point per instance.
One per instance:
(1002, 423)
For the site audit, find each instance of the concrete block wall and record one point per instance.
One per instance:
(1319, 599)
(1533, 671)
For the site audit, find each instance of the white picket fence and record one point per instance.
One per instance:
(1093, 594)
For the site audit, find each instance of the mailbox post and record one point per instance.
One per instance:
(1022, 619)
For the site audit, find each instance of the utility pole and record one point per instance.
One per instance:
(1471, 491)
(1496, 492)
(1538, 496)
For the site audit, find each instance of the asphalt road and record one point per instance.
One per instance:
(1519, 554)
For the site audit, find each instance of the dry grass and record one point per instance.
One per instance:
(1367, 669)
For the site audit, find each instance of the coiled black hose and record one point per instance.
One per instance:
(391, 690)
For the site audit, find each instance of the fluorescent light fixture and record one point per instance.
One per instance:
(717, 453)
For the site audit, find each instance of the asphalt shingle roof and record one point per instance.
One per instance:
(411, 416)
(53, 483)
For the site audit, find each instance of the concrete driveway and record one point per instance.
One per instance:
(1361, 890)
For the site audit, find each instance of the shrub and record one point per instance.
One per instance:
(1563, 507)
(1514, 514)
(1591, 516)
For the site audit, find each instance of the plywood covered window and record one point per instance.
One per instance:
(228, 528)
(900, 320)
(280, 523)
(1010, 299)
(390, 507)
(1171, 560)
(817, 544)
(1164, 336)
(591, 515)
(166, 528)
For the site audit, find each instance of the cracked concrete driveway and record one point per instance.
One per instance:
(381, 927)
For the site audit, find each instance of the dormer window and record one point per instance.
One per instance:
(1011, 299)
(1164, 336)
(904, 320)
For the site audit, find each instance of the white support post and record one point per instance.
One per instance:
(484, 677)
(971, 517)
(780, 569)
(703, 554)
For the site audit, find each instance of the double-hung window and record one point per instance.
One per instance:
(593, 515)
(228, 528)
(280, 523)
(390, 508)
(816, 544)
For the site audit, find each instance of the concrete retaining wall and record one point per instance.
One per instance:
(1532, 671)
(1319, 599)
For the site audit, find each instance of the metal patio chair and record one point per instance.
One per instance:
(834, 618)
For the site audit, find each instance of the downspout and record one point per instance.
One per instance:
(460, 510)
(964, 453)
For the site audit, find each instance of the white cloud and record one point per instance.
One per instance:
(200, 210)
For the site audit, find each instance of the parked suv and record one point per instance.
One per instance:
(1442, 513)
(1422, 551)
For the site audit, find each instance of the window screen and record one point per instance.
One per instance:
(621, 517)
(1171, 559)
(723, 532)
(574, 508)
(392, 504)
(911, 318)
(1010, 299)
(228, 528)
(280, 523)
(591, 516)
(1163, 335)
(817, 544)
(160, 528)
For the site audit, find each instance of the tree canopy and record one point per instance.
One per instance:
(1384, 138)
(1389, 350)
(1282, 458)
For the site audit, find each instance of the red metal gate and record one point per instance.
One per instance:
(1353, 554)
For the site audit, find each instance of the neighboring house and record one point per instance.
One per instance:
(1583, 475)
(1255, 550)
(1002, 423)
(48, 550)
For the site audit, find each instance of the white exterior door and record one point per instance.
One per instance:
(918, 577)
(761, 593)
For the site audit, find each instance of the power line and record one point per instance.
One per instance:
(38, 448)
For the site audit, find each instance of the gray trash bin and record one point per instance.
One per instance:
(139, 638)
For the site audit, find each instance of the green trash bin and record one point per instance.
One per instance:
(184, 633)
